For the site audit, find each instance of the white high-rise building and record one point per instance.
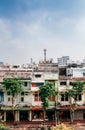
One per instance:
(62, 61)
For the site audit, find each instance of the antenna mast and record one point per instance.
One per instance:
(45, 55)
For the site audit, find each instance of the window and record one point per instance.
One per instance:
(63, 83)
(36, 97)
(22, 93)
(38, 75)
(52, 98)
(9, 99)
(70, 83)
(8, 93)
(62, 71)
(83, 73)
(64, 97)
(33, 85)
(78, 97)
(26, 93)
(25, 84)
(22, 99)
(39, 84)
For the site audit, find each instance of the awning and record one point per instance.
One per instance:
(17, 108)
(36, 108)
(64, 107)
(77, 107)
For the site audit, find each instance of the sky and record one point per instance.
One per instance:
(27, 27)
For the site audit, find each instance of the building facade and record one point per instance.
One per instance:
(28, 106)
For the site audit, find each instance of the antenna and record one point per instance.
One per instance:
(31, 60)
(45, 55)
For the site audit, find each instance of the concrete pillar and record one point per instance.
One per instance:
(84, 97)
(18, 116)
(4, 115)
(30, 115)
(56, 84)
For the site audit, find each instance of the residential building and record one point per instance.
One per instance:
(28, 106)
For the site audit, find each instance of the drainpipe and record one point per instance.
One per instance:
(55, 110)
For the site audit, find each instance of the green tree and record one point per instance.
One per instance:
(76, 89)
(46, 90)
(13, 86)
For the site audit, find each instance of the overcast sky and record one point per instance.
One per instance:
(29, 26)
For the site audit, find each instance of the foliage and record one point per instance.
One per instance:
(77, 88)
(61, 127)
(46, 90)
(12, 86)
(3, 127)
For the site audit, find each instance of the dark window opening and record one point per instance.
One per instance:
(9, 116)
(62, 71)
(8, 93)
(22, 93)
(84, 115)
(25, 84)
(38, 75)
(62, 83)
(78, 97)
(36, 97)
(23, 115)
(22, 99)
(39, 84)
(66, 115)
(9, 99)
(70, 83)
(64, 97)
(37, 114)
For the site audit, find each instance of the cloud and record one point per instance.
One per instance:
(80, 26)
(26, 37)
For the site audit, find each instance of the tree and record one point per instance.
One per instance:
(13, 86)
(46, 90)
(73, 92)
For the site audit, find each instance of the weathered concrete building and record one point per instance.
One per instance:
(28, 106)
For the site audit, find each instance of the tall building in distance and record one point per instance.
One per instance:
(62, 61)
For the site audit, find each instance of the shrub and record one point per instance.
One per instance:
(4, 127)
(61, 127)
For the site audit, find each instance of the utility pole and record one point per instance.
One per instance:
(56, 105)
